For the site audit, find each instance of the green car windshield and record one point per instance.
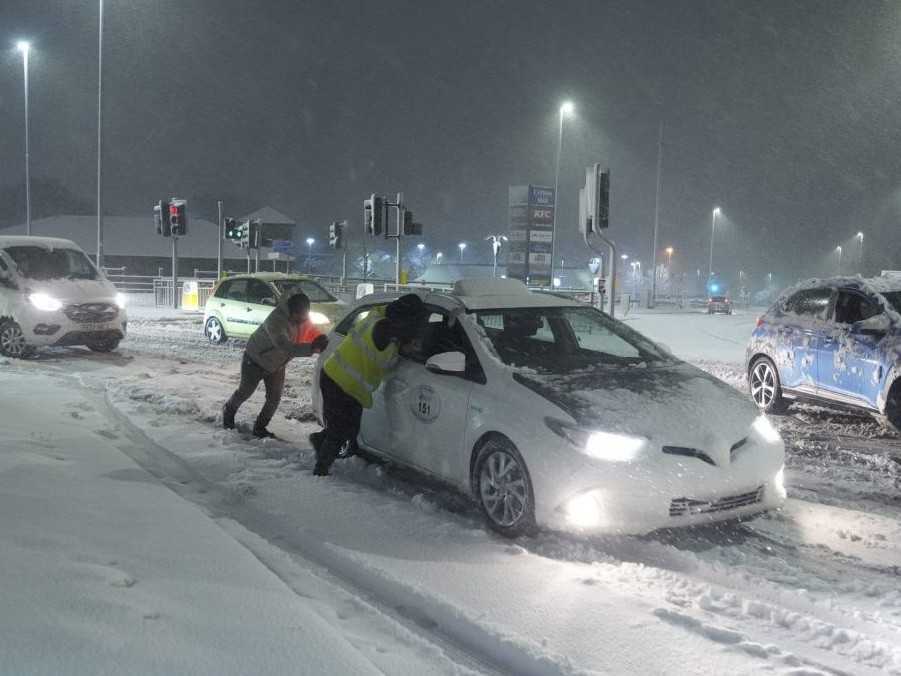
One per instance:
(316, 294)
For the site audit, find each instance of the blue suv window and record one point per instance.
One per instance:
(852, 307)
(810, 303)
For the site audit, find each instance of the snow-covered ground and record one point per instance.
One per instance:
(399, 575)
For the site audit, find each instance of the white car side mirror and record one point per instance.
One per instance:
(447, 362)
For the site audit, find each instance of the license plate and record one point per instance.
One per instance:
(94, 326)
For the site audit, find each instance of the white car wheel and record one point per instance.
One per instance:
(215, 332)
(12, 340)
(766, 391)
(504, 488)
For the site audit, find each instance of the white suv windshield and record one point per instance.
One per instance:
(563, 339)
(40, 263)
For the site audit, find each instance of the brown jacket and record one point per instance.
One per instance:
(272, 345)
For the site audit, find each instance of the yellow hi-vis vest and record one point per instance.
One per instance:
(357, 365)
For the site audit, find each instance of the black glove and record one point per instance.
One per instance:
(320, 343)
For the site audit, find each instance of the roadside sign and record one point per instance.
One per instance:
(282, 245)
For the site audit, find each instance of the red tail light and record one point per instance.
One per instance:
(759, 322)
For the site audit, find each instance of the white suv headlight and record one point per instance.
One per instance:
(765, 430)
(44, 302)
(121, 300)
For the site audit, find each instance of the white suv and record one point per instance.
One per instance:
(52, 294)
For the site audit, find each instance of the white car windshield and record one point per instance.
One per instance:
(564, 339)
(316, 294)
(41, 263)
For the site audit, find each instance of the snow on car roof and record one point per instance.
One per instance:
(484, 294)
(269, 276)
(48, 243)
(874, 286)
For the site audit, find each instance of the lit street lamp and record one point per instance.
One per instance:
(462, 247)
(625, 257)
(438, 257)
(25, 47)
(860, 252)
(669, 257)
(838, 250)
(496, 243)
(310, 243)
(566, 110)
(421, 248)
(99, 260)
(716, 212)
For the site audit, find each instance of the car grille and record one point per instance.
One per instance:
(91, 312)
(686, 506)
(689, 453)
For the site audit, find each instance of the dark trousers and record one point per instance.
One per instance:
(342, 414)
(251, 375)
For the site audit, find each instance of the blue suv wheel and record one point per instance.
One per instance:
(766, 391)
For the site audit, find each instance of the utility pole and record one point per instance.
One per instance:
(221, 237)
(100, 140)
(656, 219)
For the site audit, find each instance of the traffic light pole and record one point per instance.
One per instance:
(221, 236)
(174, 273)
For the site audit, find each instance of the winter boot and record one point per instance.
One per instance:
(316, 440)
(262, 433)
(228, 418)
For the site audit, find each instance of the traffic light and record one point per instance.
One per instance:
(232, 231)
(374, 215)
(243, 239)
(411, 228)
(161, 219)
(336, 235)
(594, 200)
(251, 235)
(178, 217)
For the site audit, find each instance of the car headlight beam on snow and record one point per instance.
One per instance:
(44, 302)
(318, 318)
(584, 510)
(765, 430)
(605, 446)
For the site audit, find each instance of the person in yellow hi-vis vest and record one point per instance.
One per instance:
(354, 371)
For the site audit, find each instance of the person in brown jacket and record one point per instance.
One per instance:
(266, 355)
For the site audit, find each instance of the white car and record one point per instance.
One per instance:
(52, 294)
(551, 414)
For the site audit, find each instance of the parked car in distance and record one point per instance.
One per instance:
(836, 341)
(240, 303)
(51, 294)
(719, 305)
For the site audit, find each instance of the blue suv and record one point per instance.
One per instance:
(831, 341)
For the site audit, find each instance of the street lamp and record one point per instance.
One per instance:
(496, 244)
(25, 47)
(310, 243)
(462, 247)
(566, 110)
(625, 257)
(438, 257)
(421, 248)
(860, 252)
(99, 258)
(669, 257)
(838, 250)
(716, 212)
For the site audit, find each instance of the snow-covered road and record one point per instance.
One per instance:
(813, 589)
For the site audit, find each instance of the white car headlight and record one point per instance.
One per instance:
(613, 447)
(44, 302)
(318, 318)
(764, 428)
(121, 300)
(599, 445)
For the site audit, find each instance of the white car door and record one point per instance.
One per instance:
(426, 412)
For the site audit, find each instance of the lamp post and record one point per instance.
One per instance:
(99, 260)
(860, 252)
(566, 109)
(310, 243)
(669, 258)
(496, 244)
(25, 47)
(462, 247)
(838, 250)
(716, 212)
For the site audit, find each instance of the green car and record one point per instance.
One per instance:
(240, 303)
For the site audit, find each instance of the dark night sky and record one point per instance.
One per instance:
(785, 114)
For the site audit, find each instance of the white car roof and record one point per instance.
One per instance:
(49, 243)
(480, 294)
